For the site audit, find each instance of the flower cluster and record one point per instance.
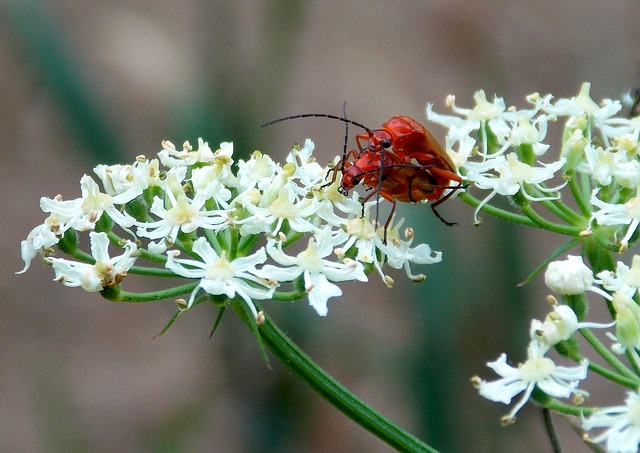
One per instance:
(229, 228)
(504, 152)
(571, 279)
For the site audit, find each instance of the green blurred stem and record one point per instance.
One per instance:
(632, 356)
(579, 195)
(545, 224)
(334, 392)
(114, 294)
(531, 218)
(608, 356)
(613, 376)
(494, 211)
(557, 406)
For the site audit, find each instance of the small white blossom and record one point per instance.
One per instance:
(625, 279)
(400, 254)
(485, 115)
(81, 214)
(621, 425)
(538, 371)
(507, 175)
(105, 272)
(627, 324)
(559, 325)
(180, 213)
(126, 181)
(37, 240)
(318, 271)
(219, 276)
(627, 213)
(171, 157)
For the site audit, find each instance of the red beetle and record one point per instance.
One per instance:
(401, 161)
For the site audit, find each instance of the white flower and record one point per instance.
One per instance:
(208, 185)
(182, 213)
(617, 214)
(307, 170)
(559, 325)
(625, 279)
(269, 215)
(359, 232)
(318, 271)
(128, 181)
(538, 371)
(82, 214)
(484, 115)
(400, 254)
(621, 425)
(507, 175)
(568, 277)
(37, 240)
(105, 272)
(527, 131)
(257, 172)
(219, 276)
(627, 324)
(171, 157)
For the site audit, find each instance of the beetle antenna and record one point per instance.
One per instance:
(346, 136)
(320, 115)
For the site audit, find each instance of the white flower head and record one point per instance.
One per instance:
(126, 181)
(508, 175)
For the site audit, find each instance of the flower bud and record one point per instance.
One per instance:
(627, 320)
(573, 149)
(568, 277)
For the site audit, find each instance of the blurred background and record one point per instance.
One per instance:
(83, 83)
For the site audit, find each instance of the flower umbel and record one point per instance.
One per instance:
(200, 219)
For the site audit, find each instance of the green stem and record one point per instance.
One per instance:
(496, 212)
(632, 356)
(557, 406)
(613, 376)
(545, 224)
(335, 393)
(152, 271)
(577, 193)
(608, 355)
(114, 294)
(564, 212)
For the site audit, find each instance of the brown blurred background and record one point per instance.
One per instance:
(89, 82)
